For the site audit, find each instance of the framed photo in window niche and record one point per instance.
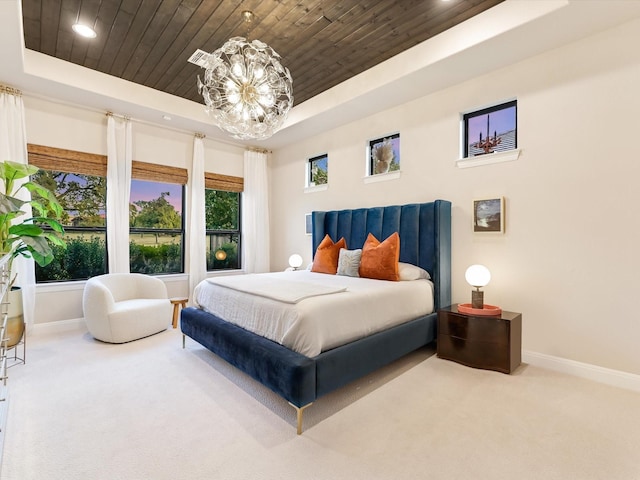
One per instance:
(318, 170)
(490, 130)
(384, 154)
(488, 215)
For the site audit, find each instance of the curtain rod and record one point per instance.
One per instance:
(258, 150)
(10, 90)
(124, 117)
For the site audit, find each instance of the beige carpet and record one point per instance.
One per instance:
(81, 409)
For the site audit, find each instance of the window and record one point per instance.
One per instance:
(490, 130)
(223, 220)
(156, 225)
(384, 154)
(79, 181)
(318, 171)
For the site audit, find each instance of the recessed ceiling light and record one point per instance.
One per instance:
(83, 30)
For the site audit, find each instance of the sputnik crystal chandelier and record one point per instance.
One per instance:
(247, 91)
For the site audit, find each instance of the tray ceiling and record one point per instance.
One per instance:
(323, 43)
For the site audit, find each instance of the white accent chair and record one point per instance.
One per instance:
(121, 307)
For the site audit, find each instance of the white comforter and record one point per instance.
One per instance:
(318, 323)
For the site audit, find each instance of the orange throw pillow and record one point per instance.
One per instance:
(380, 260)
(326, 258)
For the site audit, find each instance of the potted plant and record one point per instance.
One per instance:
(25, 236)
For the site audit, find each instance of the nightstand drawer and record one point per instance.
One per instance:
(473, 353)
(481, 329)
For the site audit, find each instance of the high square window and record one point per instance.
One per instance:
(492, 129)
(318, 171)
(384, 154)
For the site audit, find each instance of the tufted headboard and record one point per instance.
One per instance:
(424, 229)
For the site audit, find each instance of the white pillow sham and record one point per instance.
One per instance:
(408, 271)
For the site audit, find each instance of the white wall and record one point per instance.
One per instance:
(70, 127)
(568, 257)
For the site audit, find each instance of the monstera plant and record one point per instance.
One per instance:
(22, 234)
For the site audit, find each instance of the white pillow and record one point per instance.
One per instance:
(408, 271)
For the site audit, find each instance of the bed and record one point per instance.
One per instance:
(425, 241)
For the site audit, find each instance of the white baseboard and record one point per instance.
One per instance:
(608, 376)
(59, 326)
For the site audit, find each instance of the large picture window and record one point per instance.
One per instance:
(79, 182)
(156, 225)
(223, 220)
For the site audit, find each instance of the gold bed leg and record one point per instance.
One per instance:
(299, 411)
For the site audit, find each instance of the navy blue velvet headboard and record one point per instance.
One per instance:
(424, 229)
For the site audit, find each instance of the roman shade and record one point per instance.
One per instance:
(71, 161)
(227, 183)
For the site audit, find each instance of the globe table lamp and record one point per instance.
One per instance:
(477, 276)
(295, 261)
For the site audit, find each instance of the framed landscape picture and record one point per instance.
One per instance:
(488, 215)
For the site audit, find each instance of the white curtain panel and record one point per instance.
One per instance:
(255, 213)
(119, 155)
(196, 232)
(13, 147)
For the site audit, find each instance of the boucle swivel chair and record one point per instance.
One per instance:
(121, 307)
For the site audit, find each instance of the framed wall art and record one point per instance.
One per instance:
(384, 154)
(488, 215)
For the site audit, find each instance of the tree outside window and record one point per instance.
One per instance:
(155, 214)
(319, 170)
(222, 216)
(156, 228)
(83, 198)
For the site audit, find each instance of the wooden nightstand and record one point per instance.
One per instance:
(490, 343)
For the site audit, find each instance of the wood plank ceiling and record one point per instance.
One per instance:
(323, 43)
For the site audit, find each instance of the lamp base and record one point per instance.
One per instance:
(477, 298)
(486, 310)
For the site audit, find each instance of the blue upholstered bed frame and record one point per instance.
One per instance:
(425, 240)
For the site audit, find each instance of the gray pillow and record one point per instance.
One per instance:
(349, 262)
